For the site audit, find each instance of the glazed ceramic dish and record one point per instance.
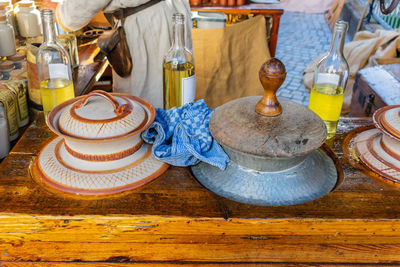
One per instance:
(99, 149)
(379, 148)
(379, 152)
(387, 120)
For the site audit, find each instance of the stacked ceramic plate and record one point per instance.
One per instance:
(379, 148)
(99, 149)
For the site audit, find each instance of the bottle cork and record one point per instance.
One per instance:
(231, 2)
(223, 2)
(240, 2)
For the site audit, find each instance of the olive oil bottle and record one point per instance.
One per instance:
(54, 67)
(330, 78)
(54, 92)
(179, 80)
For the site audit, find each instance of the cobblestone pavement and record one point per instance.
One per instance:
(301, 38)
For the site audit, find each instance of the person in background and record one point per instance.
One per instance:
(149, 36)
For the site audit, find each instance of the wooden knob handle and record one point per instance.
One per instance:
(272, 74)
(118, 109)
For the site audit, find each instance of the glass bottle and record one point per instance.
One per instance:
(28, 19)
(179, 80)
(10, 15)
(54, 68)
(7, 36)
(330, 78)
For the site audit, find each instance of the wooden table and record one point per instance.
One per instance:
(273, 11)
(175, 219)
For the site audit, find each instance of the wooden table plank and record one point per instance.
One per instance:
(178, 193)
(175, 219)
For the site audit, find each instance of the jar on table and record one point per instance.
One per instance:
(7, 38)
(5, 68)
(10, 15)
(4, 142)
(18, 59)
(28, 19)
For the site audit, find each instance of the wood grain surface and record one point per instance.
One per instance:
(174, 219)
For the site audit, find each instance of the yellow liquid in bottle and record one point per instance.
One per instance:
(326, 101)
(172, 83)
(55, 92)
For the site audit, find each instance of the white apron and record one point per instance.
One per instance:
(148, 32)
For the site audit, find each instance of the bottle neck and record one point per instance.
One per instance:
(49, 30)
(338, 40)
(178, 33)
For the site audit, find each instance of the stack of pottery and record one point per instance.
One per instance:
(379, 148)
(99, 149)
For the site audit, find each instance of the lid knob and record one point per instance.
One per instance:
(272, 74)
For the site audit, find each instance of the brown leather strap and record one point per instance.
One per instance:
(123, 13)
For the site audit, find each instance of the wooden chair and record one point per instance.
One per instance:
(334, 12)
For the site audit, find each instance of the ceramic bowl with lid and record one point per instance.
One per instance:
(273, 146)
(99, 149)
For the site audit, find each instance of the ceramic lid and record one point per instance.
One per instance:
(387, 120)
(26, 4)
(6, 65)
(296, 131)
(266, 127)
(17, 57)
(100, 115)
(379, 152)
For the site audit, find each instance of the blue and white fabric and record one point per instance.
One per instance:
(181, 136)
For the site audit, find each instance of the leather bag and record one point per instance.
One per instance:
(114, 44)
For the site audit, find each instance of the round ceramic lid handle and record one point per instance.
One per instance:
(272, 74)
(118, 110)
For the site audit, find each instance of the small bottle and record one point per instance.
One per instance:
(53, 66)
(10, 15)
(4, 143)
(5, 68)
(7, 37)
(179, 80)
(330, 79)
(28, 19)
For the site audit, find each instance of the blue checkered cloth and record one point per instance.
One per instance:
(181, 137)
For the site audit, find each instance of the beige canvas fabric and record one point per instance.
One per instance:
(367, 49)
(228, 60)
(148, 34)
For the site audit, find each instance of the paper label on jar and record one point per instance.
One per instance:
(188, 89)
(19, 89)
(10, 106)
(330, 78)
(58, 71)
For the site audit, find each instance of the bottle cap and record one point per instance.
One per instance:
(25, 4)
(17, 57)
(6, 65)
